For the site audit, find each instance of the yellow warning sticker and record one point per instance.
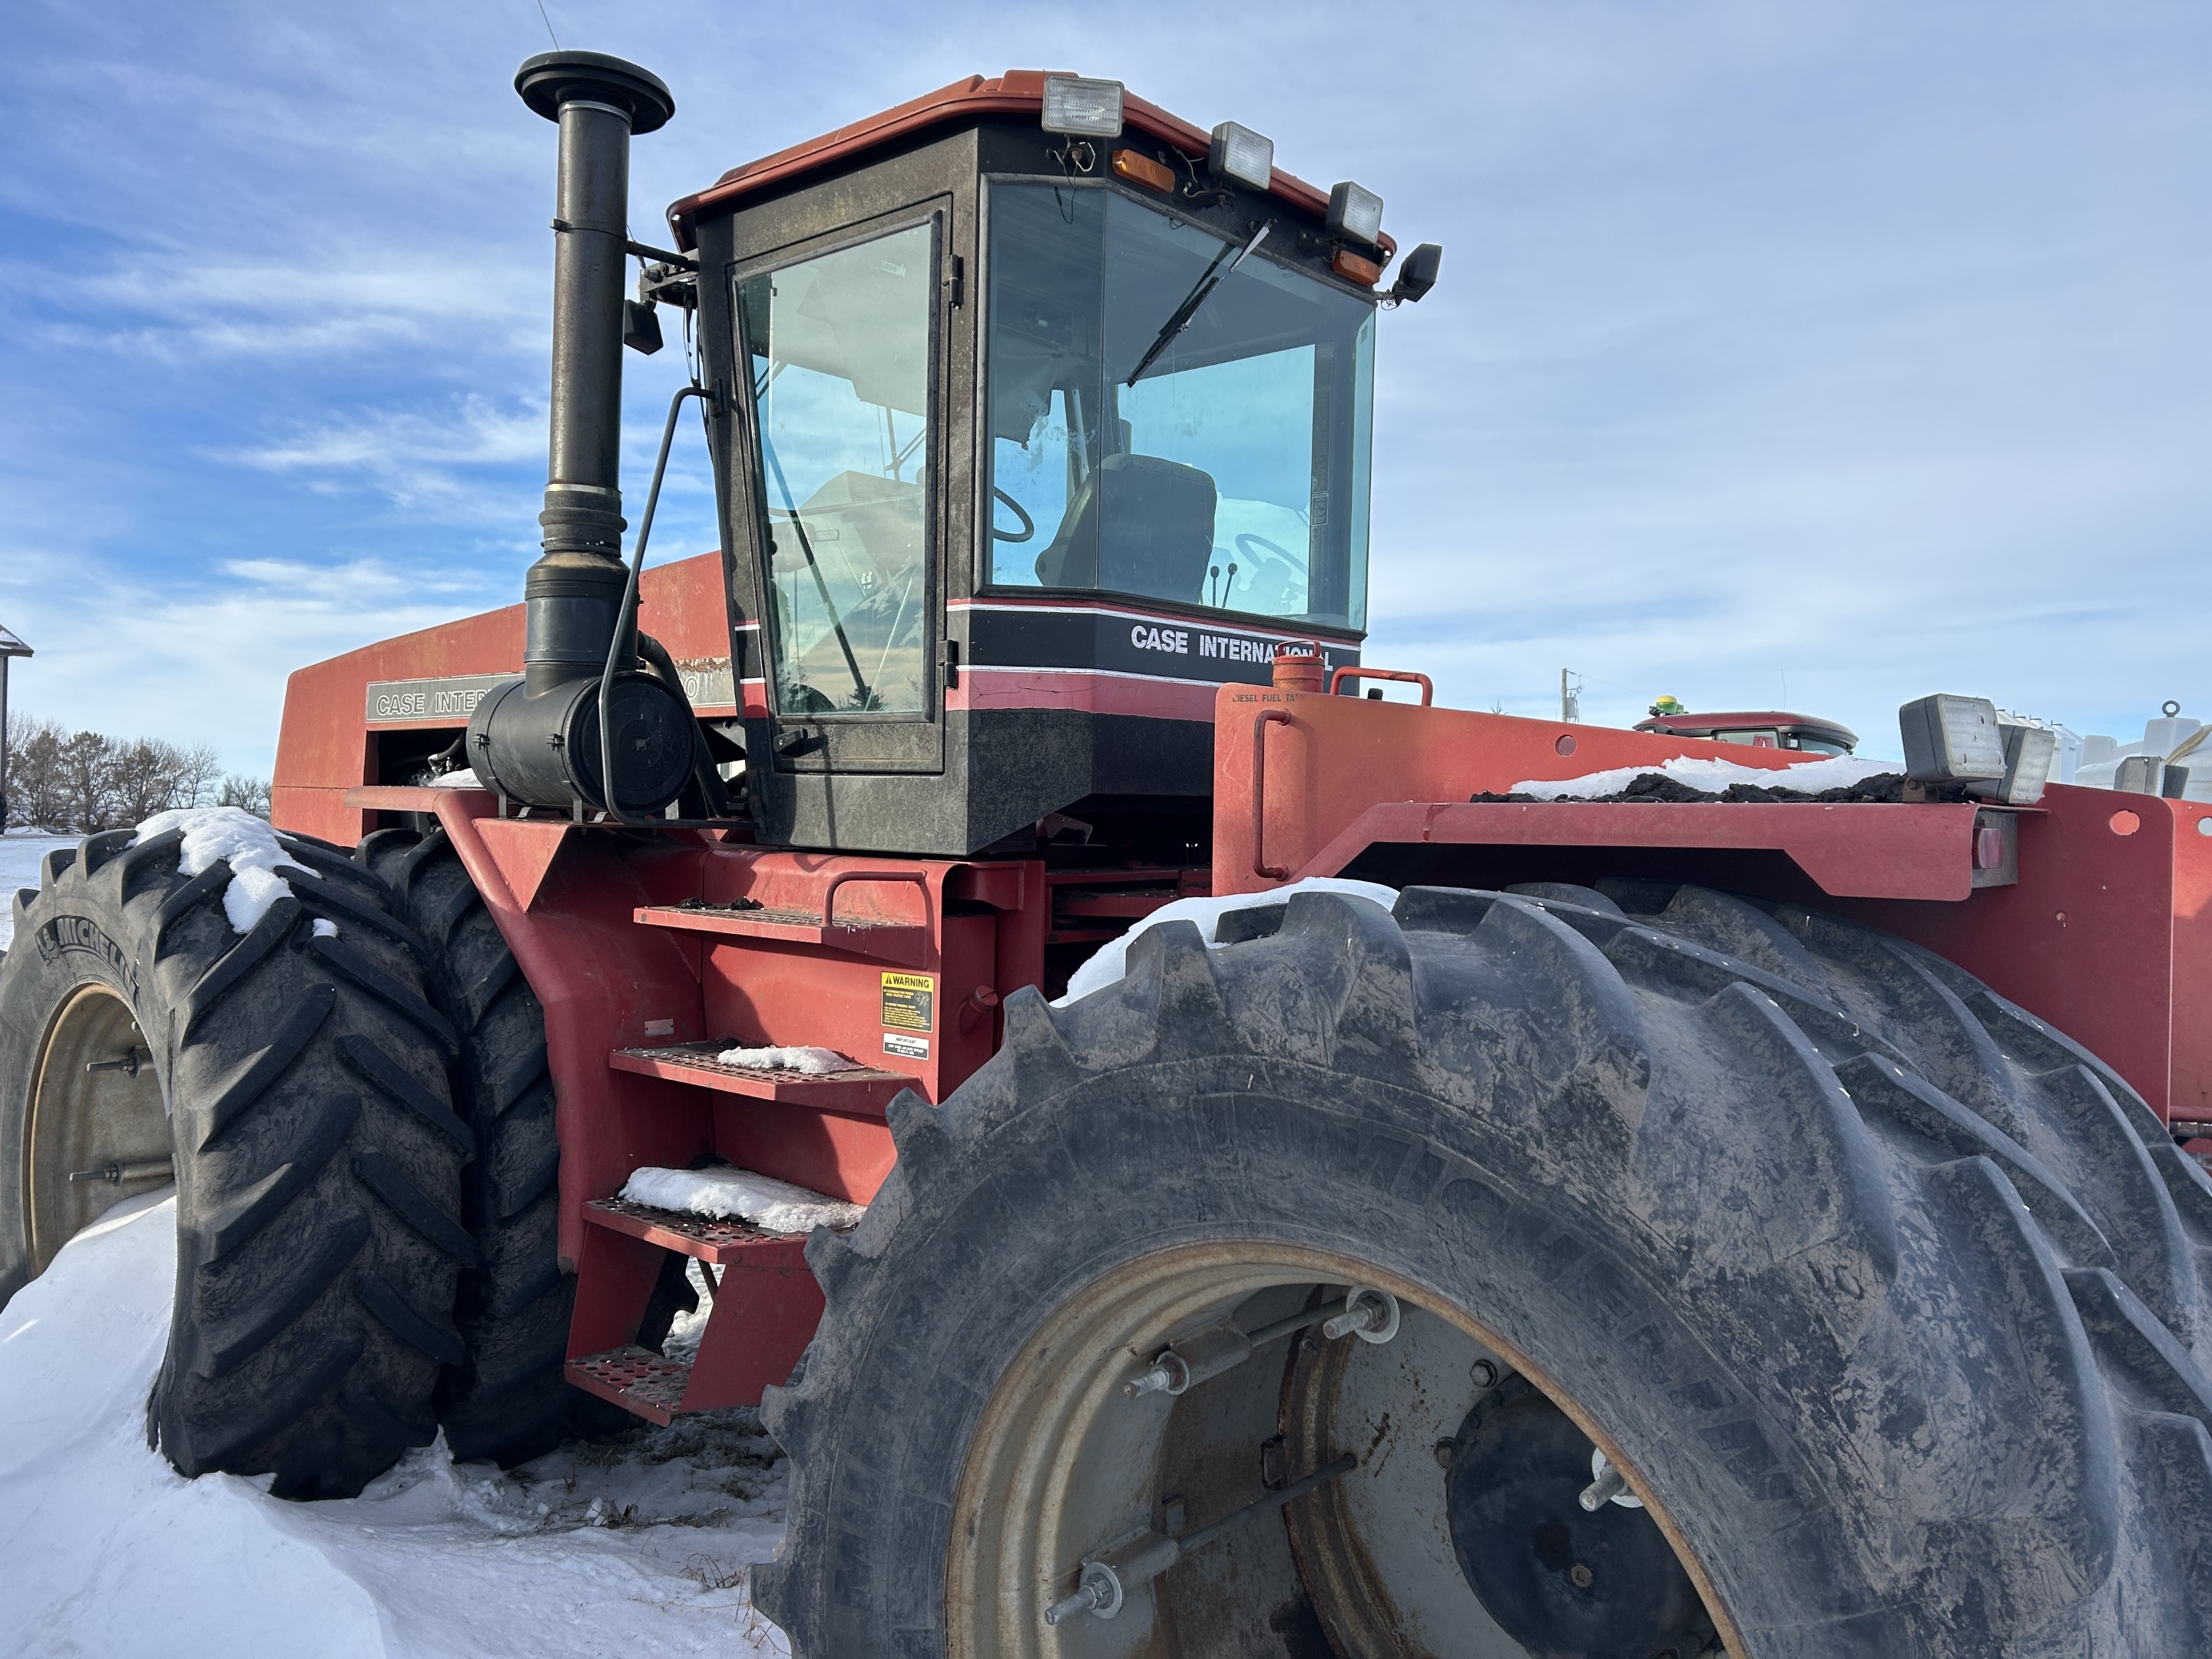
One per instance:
(910, 1002)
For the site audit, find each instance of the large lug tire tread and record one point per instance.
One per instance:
(1892, 1293)
(318, 1157)
(507, 1400)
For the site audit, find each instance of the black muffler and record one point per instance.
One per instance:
(536, 739)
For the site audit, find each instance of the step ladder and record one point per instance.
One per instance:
(765, 1306)
(763, 1301)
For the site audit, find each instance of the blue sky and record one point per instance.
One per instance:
(1868, 345)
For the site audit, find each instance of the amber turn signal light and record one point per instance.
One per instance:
(1143, 170)
(1355, 268)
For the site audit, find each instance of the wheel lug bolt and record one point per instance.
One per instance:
(1609, 1484)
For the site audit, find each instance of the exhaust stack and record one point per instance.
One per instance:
(573, 591)
(536, 739)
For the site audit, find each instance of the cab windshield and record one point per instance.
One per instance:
(1229, 471)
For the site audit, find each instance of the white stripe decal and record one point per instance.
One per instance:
(1287, 630)
(1099, 673)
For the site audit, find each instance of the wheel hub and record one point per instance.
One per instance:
(1565, 1581)
(1197, 1450)
(98, 1134)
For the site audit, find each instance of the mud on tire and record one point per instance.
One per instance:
(1888, 1292)
(317, 1155)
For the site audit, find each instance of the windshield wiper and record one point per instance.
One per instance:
(1180, 319)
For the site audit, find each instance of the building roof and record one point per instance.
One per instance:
(12, 645)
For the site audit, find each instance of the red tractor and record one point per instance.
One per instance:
(1755, 728)
(1759, 1222)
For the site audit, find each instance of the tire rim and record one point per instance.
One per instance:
(99, 1132)
(1064, 1467)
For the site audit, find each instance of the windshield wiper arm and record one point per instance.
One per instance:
(1180, 319)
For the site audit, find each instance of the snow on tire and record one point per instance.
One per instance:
(1880, 1292)
(316, 1156)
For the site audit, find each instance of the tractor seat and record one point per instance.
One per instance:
(1138, 525)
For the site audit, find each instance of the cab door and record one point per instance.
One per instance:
(840, 338)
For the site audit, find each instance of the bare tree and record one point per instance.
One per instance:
(199, 770)
(34, 794)
(86, 780)
(240, 790)
(150, 776)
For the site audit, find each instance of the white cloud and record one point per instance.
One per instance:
(369, 579)
(475, 434)
(209, 663)
(1863, 345)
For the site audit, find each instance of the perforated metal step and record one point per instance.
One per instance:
(863, 1090)
(636, 1379)
(886, 941)
(703, 1237)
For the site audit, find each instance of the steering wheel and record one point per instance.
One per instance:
(1245, 536)
(1029, 525)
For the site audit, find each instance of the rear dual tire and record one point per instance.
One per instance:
(509, 1399)
(1881, 1291)
(316, 1156)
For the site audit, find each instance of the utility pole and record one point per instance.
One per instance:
(1571, 695)
(10, 648)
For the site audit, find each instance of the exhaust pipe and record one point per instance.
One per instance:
(536, 740)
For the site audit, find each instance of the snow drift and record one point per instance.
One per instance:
(636, 1544)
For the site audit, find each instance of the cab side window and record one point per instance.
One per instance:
(840, 349)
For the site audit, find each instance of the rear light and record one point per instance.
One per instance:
(1241, 154)
(1086, 108)
(1355, 268)
(1357, 212)
(1952, 740)
(2030, 753)
(1965, 740)
(1143, 170)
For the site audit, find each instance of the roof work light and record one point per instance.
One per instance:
(1084, 107)
(1356, 211)
(1241, 154)
(1965, 740)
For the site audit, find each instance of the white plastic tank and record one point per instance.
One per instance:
(2166, 736)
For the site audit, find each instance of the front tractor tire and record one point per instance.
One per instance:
(293, 1078)
(1879, 1294)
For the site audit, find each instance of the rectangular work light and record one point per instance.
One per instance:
(1357, 212)
(1086, 108)
(2030, 752)
(1952, 740)
(1241, 154)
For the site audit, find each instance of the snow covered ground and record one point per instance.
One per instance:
(638, 1543)
(20, 853)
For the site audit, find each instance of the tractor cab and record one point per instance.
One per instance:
(1041, 414)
